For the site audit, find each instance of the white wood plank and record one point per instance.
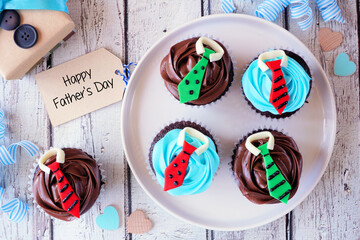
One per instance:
(25, 119)
(332, 209)
(148, 22)
(100, 23)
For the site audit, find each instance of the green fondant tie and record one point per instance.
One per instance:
(189, 87)
(278, 187)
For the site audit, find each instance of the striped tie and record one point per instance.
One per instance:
(278, 187)
(69, 201)
(279, 96)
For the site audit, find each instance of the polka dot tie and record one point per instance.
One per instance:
(189, 87)
(175, 172)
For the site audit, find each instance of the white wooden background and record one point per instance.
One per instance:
(128, 28)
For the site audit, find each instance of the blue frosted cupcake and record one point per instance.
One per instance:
(184, 158)
(277, 83)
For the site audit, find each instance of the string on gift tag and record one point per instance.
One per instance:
(330, 10)
(16, 208)
(126, 72)
(227, 6)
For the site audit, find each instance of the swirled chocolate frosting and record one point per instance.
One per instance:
(182, 58)
(249, 170)
(84, 176)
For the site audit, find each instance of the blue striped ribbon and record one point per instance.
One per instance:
(330, 10)
(270, 9)
(8, 155)
(126, 72)
(2, 126)
(15, 207)
(300, 10)
(228, 6)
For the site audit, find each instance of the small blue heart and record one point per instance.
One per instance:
(343, 66)
(109, 220)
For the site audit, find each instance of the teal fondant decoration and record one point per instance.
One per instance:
(343, 66)
(189, 87)
(278, 187)
(109, 220)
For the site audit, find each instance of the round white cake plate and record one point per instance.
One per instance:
(148, 107)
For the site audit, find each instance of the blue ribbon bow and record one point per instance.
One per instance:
(300, 9)
(16, 208)
(57, 5)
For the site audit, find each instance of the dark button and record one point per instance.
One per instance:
(176, 183)
(10, 19)
(202, 67)
(195, 71)
(183, 161)
(175, 164)
(197, 81)
(191, 92)
(170, 176)
(178, 173)
(187, 82)
(25, 36)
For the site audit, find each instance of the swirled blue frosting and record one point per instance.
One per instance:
(257, 86)
(200, 170)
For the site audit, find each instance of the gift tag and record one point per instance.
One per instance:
(81, 86)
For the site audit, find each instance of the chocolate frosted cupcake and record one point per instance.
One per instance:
(66, 183)
(184, 158)
(197, 71)
(267, 167)
(277, 83)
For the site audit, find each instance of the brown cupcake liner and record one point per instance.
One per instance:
(300, 59)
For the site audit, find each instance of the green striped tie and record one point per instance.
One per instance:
(279, 188)
(189, 87)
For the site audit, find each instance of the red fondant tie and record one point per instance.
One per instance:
(69, 200)
(279, 96)
(175, 172)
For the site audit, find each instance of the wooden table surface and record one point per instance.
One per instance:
(128, 28)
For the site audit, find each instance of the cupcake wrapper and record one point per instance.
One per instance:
(231, 83)
(266, 115)
(213, 136)
(31, 178)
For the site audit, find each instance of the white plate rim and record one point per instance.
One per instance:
(238, 17)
